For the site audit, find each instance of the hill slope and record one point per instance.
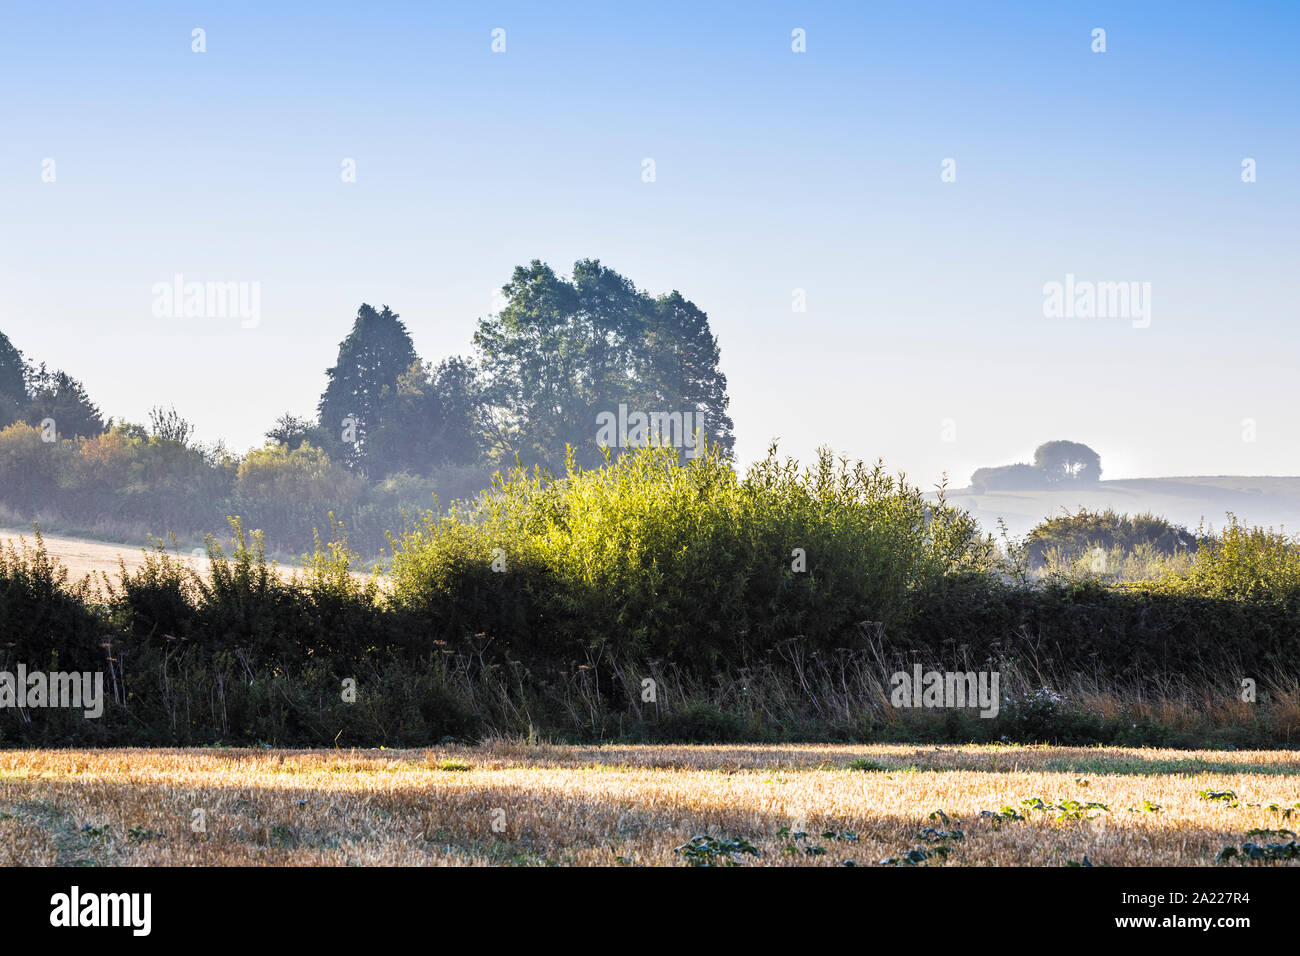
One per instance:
(1187, 500)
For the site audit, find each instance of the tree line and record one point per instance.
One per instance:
(559, 354)
(390, 430)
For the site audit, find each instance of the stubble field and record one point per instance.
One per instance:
(511, 803)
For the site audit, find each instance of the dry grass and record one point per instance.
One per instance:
(594, 805)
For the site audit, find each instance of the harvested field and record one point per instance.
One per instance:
(85, 556)
(518, 804)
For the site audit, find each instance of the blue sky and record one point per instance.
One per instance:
(775, 171)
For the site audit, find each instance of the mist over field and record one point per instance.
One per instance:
(1186, 500)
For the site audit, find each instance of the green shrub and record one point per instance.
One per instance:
(1071, 536)
(1243, 563)
(29, 467)
(648, 557)
(47, 622)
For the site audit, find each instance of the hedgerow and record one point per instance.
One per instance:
(769, 606)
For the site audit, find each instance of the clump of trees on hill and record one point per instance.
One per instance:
(1056, 464)
(390, 430)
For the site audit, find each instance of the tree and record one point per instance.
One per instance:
(563, 352)
(1067, 461)
(13, 382)
(29, 468)
(59, 396)
(434, 418)
(166, 424)
(458, 393)
(375, 354)
(546, 364)
(681, 365)
(304, 475)
(293, 430)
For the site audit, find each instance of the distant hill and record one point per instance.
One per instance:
(1264, 500)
